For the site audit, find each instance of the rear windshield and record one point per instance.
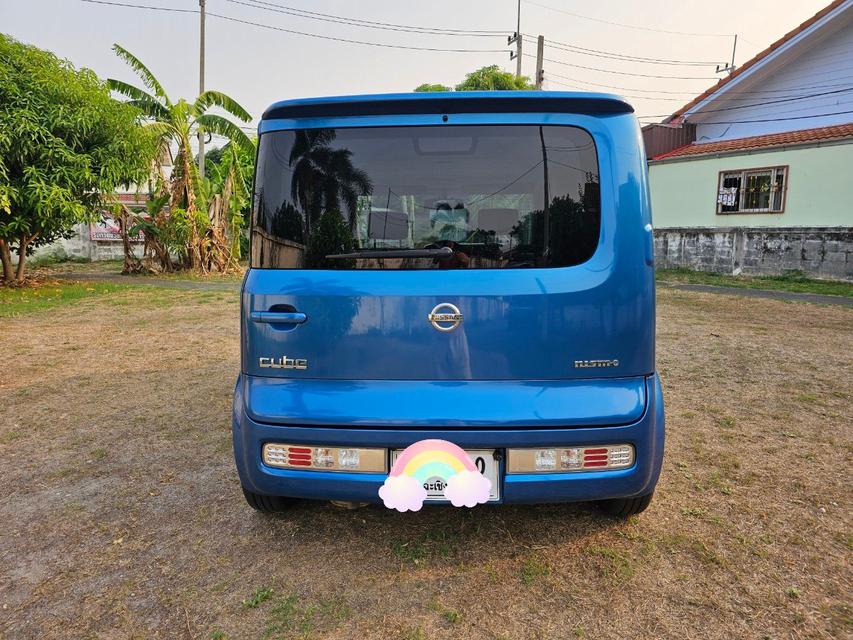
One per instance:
(435, 197)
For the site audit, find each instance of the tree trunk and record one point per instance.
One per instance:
(132, 264)
(6, 259)
(23, 243)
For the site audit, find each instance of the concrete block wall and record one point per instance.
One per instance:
(81, 245)
(820, 252)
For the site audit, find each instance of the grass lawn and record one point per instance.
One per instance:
(17, 301)
(791, 282)
(122, 515)
(114, 267)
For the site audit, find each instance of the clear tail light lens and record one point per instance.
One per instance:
(561, 460)
(299, 456)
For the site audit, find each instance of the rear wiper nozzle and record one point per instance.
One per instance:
(439, 252)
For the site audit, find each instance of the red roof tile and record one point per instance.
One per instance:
(834, 132)
(755, 59)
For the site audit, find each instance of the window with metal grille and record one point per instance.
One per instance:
(752, 190)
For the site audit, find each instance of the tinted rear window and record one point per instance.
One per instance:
(473, 197)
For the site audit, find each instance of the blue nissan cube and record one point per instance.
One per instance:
(475, 267)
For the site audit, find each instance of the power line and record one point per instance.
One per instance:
(767, 102)
(349, 41)
(621, 73)
(816, 115)
(806, 96)
(624, 95)
(629, 26)
(690, 94)
(140, 6)
(358, 22)
(760, 104)
(295, 32)
(562, 46)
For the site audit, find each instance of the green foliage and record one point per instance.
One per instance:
(331, 236)
(324, 177)
(490, 78)
(190, 229)
(261, 595)
(241, 160)
(432, 88)
(63, 143)
(794, 281)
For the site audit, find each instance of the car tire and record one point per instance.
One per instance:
(625, 507)
(268, 504)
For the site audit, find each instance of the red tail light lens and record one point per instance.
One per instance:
(287, 456)
(560, 460)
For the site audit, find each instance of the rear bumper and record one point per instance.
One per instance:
(646, 434)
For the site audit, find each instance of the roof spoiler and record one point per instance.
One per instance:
(441, 103)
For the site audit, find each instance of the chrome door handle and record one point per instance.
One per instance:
(278, 317)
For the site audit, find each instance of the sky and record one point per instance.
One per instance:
(260, 65)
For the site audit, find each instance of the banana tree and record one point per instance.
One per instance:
(230, 182)
(175, 124)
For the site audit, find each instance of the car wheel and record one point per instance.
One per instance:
(268, 504)
(625, 507)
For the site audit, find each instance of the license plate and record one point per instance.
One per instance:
(485, 461)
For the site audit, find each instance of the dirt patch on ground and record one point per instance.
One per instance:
(122, 515)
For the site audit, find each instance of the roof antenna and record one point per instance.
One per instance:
(731, 67)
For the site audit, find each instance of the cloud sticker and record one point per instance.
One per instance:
(468, 489)
(403, 493)
(428, 461)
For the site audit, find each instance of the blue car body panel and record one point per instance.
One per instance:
(409, 404)
(646, 434)
(381, 376)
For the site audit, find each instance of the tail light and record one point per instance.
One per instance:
(560, 460)
(300, 456)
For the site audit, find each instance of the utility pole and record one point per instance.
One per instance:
(516, 38)
(201, 84)
(540, 53)
(518, 42)
(731, 67)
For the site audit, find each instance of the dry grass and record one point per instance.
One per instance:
(122, 515)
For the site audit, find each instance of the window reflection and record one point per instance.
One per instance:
(509, 196)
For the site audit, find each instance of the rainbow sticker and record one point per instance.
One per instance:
(404, 490)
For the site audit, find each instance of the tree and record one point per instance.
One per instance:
(229, 188)
(176, 123)
(431, 88)
(332, 236)
(324, 177)
(490, 78)
(64, 142)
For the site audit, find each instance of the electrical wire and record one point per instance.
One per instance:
(630, 26)
(768, 102)
(815, 115)
(624, 95)
(621, 73)
(612, 55)
(689, 94)
(141, 6)
(744, 106)
(358, 22)
(295, 32)
(349, 41)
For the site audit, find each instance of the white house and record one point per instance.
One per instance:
(756, 173)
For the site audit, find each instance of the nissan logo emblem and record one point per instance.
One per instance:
(445, 317)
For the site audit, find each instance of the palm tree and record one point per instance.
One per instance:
(324, 177)
(175, 123)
